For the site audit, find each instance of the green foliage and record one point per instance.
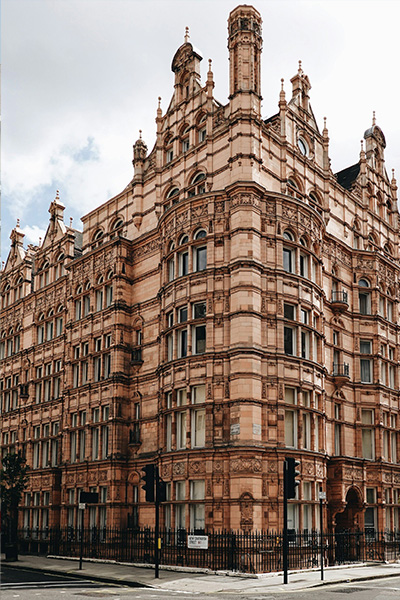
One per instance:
(13, 481)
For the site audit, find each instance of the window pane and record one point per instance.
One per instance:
(287, 260)
(201, 259)
(200, 339)
(288, 340)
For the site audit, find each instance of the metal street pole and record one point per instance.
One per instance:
(285, 548)
(157, 529)
(81, 545)
(322, 496)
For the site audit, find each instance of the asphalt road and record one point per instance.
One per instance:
(28, 585)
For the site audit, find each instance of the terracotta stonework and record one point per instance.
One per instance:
(236, 303)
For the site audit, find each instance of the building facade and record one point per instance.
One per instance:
(235, 304)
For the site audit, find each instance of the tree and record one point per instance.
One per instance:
(13, 481)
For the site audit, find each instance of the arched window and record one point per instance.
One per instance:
(19, 284)
(100, 293)
(289, 253)
(59, 268)
(40, 329)
(292, 187)
(200, 252)
(171, 197)
(185, 142)
(59, 320)
(168, 149)
(44, 274)
(202, 128)
(98, 238)
(116, 228)
(109, 289)
(183, 257)
(174, 194)
(364, 297)
(50, 325)
(6, 295)
(387, 248)
(197, 185)
(315, 201)
(200, 235)
(363, 283)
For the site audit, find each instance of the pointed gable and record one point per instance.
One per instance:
(56, 228)
(17, 253)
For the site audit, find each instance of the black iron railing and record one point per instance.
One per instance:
(341, 370)
(340, 297)
(252, 552)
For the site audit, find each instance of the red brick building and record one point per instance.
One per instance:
(236, 303)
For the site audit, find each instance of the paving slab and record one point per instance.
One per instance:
(192, 581)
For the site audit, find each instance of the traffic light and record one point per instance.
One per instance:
(161, 491)
(149, 481)
(290, 477)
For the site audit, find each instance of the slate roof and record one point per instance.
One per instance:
(347, 177)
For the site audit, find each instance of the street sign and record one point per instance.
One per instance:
(198, 541)
(322, 495)
(82, 506)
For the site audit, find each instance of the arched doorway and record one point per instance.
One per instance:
(348, 525)
(351, 518)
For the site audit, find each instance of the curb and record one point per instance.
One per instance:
(353, 580)
(83, 576)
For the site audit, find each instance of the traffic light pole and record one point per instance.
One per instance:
(157, 529)
(285, 548)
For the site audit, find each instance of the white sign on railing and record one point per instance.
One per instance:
(198, 541)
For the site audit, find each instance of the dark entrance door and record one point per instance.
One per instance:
(347, 532)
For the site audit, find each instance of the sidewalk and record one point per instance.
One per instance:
(192, 581)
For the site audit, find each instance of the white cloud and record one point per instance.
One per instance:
(93, 69)
(33, 234)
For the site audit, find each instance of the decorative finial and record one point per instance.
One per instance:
(186, 35)
(70, 221)
(373, 118)
(282, 82)
(209, 64)
(324, 122)
(140, 134)
(40, 241)
(57, 195)
(159, 101)
(17, 222)
(300, 69)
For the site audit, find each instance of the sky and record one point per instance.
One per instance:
(80, 78)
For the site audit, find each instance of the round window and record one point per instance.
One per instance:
(303, 147)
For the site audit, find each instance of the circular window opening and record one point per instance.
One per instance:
(303, 146)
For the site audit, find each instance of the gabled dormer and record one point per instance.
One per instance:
(300, 100)
(17, 273)
(60, 245)
(186, 67)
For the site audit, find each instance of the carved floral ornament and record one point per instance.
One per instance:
(245, 200)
